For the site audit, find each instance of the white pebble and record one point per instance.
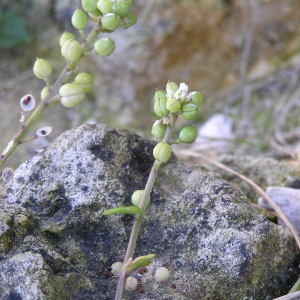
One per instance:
(116, 268)
(131, 284)
(288, 199)
(162, 274)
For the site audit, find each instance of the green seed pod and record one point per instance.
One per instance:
(71, 94)
(190, 107)
(80, 19)
(65, 37)
(44, 93)
(190, 111)
(160, 101)
(42, 69)
(110, 21)
(121, 8)
(196, 98)
(158, 130)
(162, 152)
(188, 134)
(190, 115)
(173, 105)
(104, 46)
(171, 88)
(86, 81)
(128, 21)
(137, 197)
(105, 6)
(90, 6)
(71, 50)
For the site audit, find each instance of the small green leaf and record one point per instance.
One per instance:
(123, 210)
(139, 262)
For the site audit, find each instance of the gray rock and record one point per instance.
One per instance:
(288, 199)
(264, 171)
(27, 276)
(200, 227)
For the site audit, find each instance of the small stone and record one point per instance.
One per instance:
(116, 268)
(288, 199)
(131, 284)
(162, 274)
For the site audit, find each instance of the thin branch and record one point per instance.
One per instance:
(248, 42)
(257, 188)
(245, 57)
(145, 11)
(143, 205)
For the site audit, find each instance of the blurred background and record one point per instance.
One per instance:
(243, 55)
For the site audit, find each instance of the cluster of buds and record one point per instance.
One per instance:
(168, 105)
(176, 100)
(108, 16)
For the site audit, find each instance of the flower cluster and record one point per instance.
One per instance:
(175, 101)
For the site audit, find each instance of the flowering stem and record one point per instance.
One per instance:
(92, 36)
(36, 115)
(23, 132)
(144, 203)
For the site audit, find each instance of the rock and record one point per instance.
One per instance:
(264, 171)
(27, 276)
(288, 199)
(215, 133)
(201, 228)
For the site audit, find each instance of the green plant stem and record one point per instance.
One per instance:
(31, 121)
(26, 129)
(59, 80)
(144, 203)
(23, 132)
(91, 36)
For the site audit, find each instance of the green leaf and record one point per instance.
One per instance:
(123, 210)
(139, 262)
(12, 30)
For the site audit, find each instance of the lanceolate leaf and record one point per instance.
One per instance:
(123, 210)
(139, 262)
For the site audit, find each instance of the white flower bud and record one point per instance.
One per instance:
(182, 91)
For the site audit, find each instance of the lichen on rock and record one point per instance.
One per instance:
(202, 228)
